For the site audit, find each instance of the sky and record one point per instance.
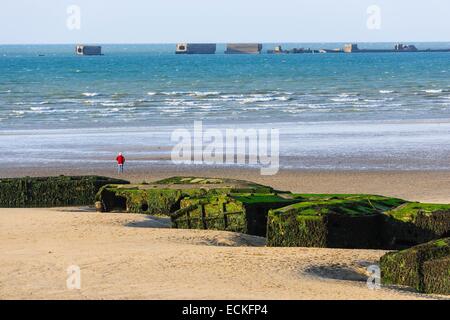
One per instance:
(221, 21)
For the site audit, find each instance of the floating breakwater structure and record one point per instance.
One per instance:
(353, 48)
(84, 50)
(256, 48)
(244, 48)
(196, 48)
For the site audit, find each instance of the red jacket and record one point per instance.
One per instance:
(120, 159)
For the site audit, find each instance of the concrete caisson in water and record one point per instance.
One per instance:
(83, 50)
(243, 48)
(196, 48)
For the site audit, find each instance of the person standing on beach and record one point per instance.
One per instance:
(120, 162)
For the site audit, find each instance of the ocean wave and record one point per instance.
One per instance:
(151, 93)
(117, 104)
(40, 109)
(90, 94)
(204, 94)
(232, 96)
(386, 91)
(206, 107)
(40, 103)
(348, 94)
(263, 99)
(433, 91)
(174, 93)
(344, 99)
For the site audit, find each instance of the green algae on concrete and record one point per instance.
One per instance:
(356, 221)
(343, 221)
(425, 267)
(56, 191)
(436, 276)
(287, 219)
(246, 213)
(166, 196)
(414, 223)
(145, 199)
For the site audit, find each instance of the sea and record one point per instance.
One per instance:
(367, 111)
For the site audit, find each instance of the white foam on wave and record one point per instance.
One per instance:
(433, 91)
(206, 106)
(151, 93)
(204, 93)
(386, 91)
(174, 93)
(90, 94)
(40, 103)
(343, 99)
(256, 98)
(40, 108)
(117, 104)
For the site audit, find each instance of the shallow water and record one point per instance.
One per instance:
(360, 111)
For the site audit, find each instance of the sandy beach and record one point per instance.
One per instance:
(123, 256)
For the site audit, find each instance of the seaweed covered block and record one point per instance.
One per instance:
(410, 267)
(51, 191)
(343, 221)
(240, 212)
(414, 223)
(164, 196)
(211, 212)
(436, 276)
(145, 199)
(257, 207)
(232, 185)
(170, 195)
(380, 203)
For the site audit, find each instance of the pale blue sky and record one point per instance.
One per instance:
(168, 21)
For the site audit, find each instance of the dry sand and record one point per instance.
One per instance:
(124, 256)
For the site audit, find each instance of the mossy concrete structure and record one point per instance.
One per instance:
(200, 203)
(357, 221)
(52, 191)
(285, 218)
(425, 267)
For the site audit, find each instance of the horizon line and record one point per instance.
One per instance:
(265, 42)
